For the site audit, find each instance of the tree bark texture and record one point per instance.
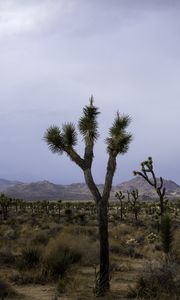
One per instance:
(104, 276)
(103, 281)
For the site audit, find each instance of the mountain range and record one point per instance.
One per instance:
(45, 190)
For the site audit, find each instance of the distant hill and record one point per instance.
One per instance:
(45, 190)
(146, 190)
(4, 184)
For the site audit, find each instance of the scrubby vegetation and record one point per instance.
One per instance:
(39, 249)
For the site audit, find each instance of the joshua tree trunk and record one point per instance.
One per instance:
(161, 200)
(104, 247)
(104, 276)
(136, 216)
(102, 283)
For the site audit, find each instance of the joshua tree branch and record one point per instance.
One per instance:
(91, 185)
(111, 167)
(88, 154)
(74, 156)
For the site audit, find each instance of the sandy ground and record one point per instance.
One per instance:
(82, 285)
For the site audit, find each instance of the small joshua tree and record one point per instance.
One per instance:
(5, 203)
(134, 203)
(166, 234)
(119, 195)
(58, 206)
(65, 140)
(147, 172)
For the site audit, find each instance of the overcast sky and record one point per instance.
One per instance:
(54, 54)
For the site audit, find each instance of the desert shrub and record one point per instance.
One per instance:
(156, 280)
(40, 237)
(127, 248)
(30, 258)
(28, 277)
(6, 257)
(55, 228)
(152, 237)
(176, 245)
(6, 290)
(60, 253)
(69, 214)
(115, 248)
(57, 264)
(81, 219)
(121, 230)
(10, 234)
(77, 244)
(61, 286)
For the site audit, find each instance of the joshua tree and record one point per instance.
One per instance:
(147, 172)
(64, 140)
(5, 203)
(58, 206)
(166, 234)
(119, 195)
(134, 203)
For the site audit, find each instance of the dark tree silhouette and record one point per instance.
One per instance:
(135, 206)
(147, 172)
(119, 195)
(64, 140)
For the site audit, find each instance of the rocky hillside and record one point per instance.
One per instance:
(45, 190)
(4, 184)
(146, 190)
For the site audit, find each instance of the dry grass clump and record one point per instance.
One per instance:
(40, 237)
(28, 277)
(157, 280)
(37, 264)
(67, 249)
(59, 254)
(6, 256)
(176, 245)
(85, 232)
(30, 258)
(127, 248)
(120, 231)
(29, 266)
(54, 228)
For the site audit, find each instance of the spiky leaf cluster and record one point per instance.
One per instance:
(119, 195)
(147, 164)
(135, 194)
(118, 140)
(58, 140)
(54, 139)
(88, 125)
(69, 134)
